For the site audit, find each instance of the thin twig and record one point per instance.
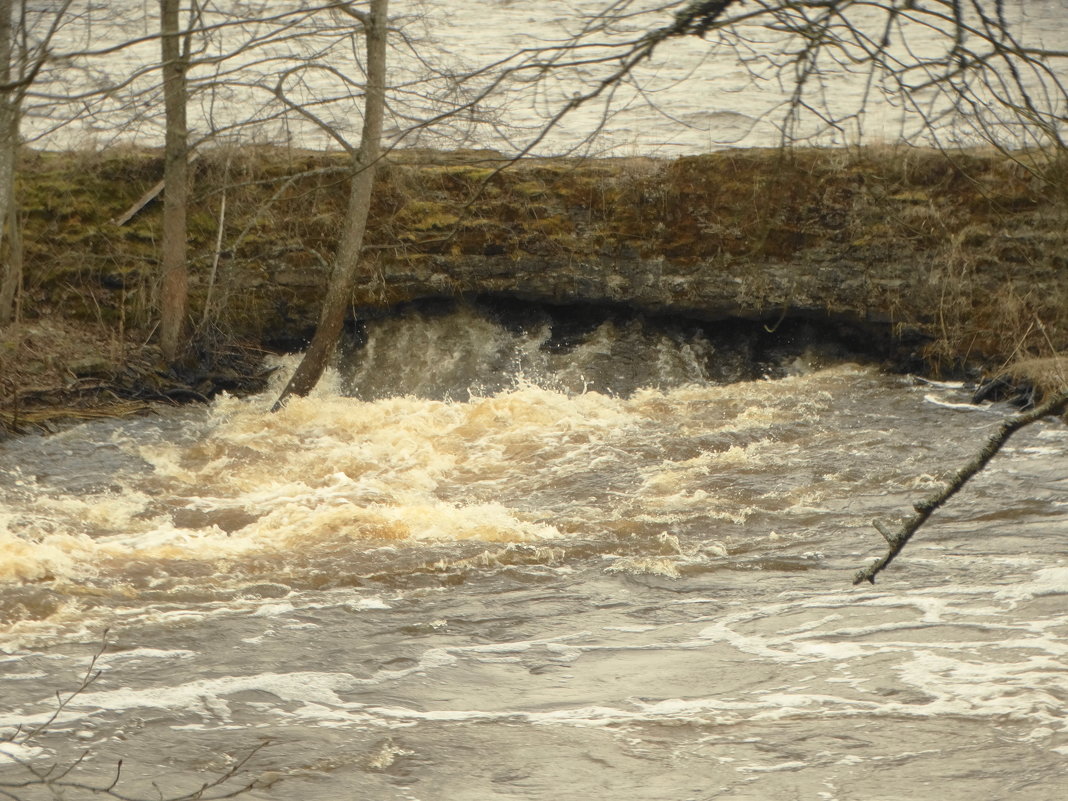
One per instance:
(91, 675)
(218, 245)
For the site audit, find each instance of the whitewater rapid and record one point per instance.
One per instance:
(507, 591)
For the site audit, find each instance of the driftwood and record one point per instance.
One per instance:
(146, 198)
(20, 421)
(141, 202)
(897, 540)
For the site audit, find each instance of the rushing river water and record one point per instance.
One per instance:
(601, 560)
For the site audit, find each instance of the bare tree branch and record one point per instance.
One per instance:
(897, 540)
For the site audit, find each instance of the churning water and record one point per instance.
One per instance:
(523, 559)
(602, 560)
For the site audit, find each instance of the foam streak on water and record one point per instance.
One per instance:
(511, 590)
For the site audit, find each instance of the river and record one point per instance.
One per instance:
(524, 554)
(691, 96)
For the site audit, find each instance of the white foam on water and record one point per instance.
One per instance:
(368, 603)
(28, 676)
(274, 610)
(111, 657)
(961, 406)
(1046, 581)
(305, 686)
(781, 766)
(20, 753)
(24, 559)
(645, 565)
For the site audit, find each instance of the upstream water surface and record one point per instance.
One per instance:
(691, 96)
(607, 561)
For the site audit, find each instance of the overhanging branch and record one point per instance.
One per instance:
(897, 540)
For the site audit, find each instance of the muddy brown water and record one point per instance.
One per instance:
(513, 580)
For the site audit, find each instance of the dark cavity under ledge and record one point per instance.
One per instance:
(448, 348)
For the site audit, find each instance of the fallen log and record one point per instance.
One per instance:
(145, 199)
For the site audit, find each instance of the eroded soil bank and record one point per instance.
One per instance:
(942, 260)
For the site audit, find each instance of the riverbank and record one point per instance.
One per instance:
(946, 262)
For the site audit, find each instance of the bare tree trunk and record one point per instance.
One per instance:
(11, 277)
(12, 282)
(174, 285)
(346, 264)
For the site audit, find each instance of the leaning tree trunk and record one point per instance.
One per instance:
(174, 282)
(347, 261)
(10, 278)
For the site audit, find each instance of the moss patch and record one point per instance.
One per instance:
(969, 249)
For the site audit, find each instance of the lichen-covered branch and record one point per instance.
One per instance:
(897, 540)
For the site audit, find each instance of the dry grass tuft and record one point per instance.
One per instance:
(1047, 376)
